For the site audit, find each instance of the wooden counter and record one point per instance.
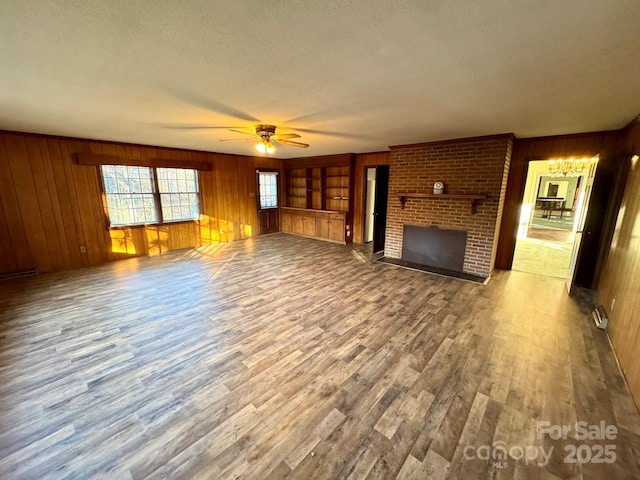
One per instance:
(322, 224)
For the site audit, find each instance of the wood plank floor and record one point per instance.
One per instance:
(287, 357)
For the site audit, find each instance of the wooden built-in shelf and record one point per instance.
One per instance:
(319, 197)
(474, 199)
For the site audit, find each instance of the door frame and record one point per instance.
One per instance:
(578, 250)
(364, 200)
(377, 202)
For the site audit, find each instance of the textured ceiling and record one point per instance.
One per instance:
(348, 76)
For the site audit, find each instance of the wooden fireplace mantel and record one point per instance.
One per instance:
(474, 199)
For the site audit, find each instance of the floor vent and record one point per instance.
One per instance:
(22, 273)
(600, 317)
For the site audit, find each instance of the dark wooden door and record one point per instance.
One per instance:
(268, 218)
(584, 232)
(268, 211)
(380, 207)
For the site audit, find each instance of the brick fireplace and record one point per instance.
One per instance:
(477, 166)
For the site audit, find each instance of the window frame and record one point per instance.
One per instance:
(179, 192)
(275, 173)
(157, 202)
(130, 193)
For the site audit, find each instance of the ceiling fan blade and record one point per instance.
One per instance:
(293, 144)
(317, 116)
(188, 126)
(238, 140)
(244, 133)
(326, 132)
(285, 135)
(212, 105)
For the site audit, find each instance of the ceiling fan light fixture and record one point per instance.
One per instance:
(265, 146)
(264, 135)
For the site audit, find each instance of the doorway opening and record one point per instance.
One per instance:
(375, 201)
(554, 207)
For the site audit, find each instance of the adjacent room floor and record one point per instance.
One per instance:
(546, 248)
(542, 257)
(287, 357)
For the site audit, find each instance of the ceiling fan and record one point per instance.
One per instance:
(266, 134)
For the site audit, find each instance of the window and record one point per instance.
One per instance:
(130, 194)
(133, 199)
(178, 194)
(268, 182)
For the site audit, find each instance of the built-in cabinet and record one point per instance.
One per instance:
(322, 224)
(319, 197)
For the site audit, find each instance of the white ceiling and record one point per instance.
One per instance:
(348, 76)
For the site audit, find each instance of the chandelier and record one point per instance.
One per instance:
(570, 167)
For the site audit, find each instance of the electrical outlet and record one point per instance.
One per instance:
(613, 303)
(83, 249)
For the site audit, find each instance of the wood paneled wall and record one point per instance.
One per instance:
(621, 276)
(51, 213)
(602, 210)
(363, 161)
